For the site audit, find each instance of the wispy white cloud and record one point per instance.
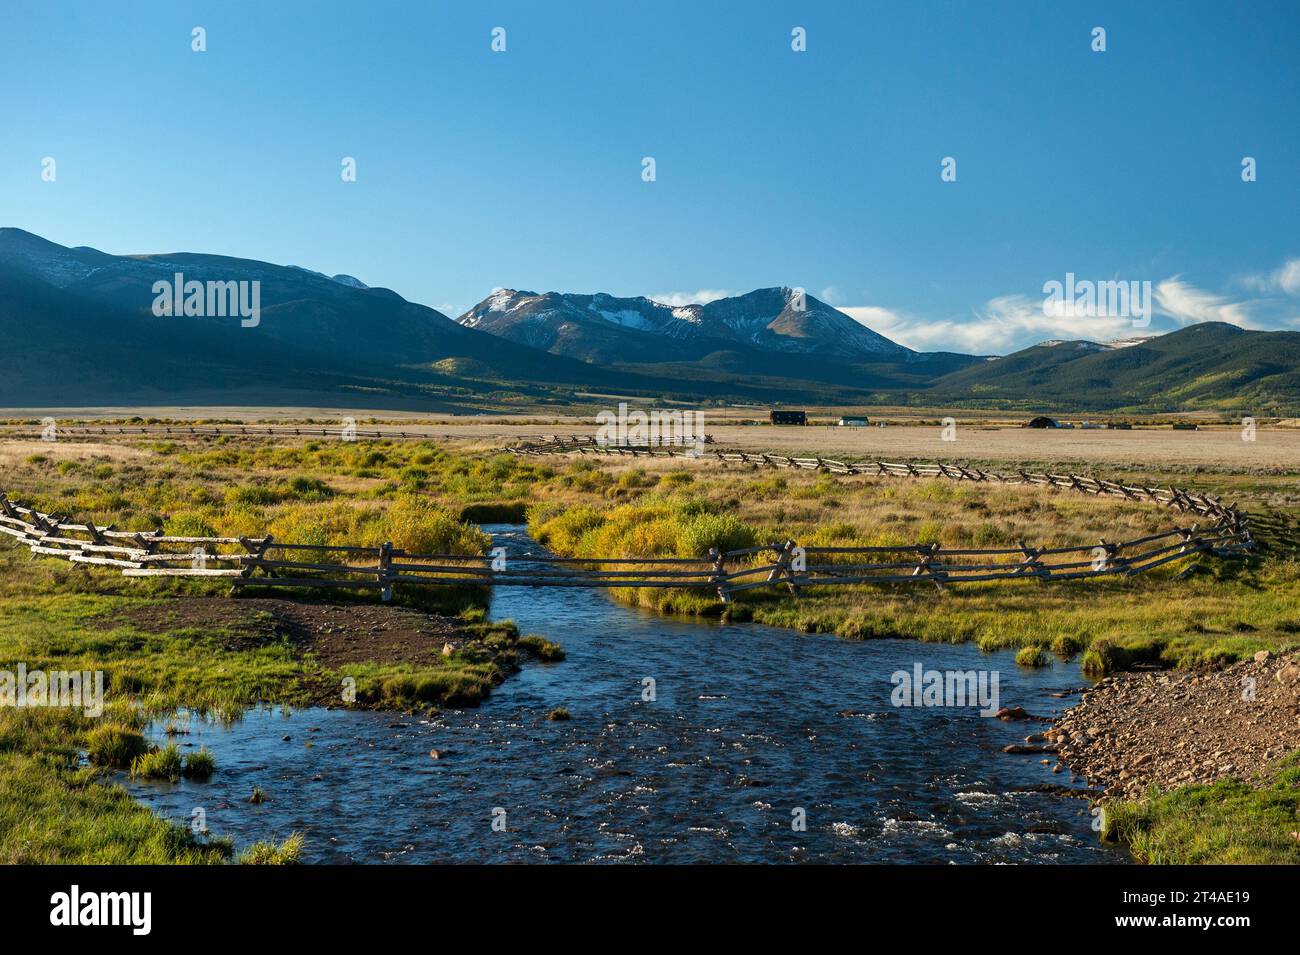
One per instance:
(1002, 325)
(1285, 279)
(1011, 322)
(1187, 304)
(702, 297)
(1288, 277)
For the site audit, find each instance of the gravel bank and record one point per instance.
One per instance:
(1176, 729)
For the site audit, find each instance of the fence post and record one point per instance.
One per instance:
(928, 558)
(386, 571)
(255, 554)
(790, 548)
(1030, 563)
(719, 571)
(784, 553)
(1122, 564)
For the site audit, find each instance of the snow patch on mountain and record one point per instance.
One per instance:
(627, 318)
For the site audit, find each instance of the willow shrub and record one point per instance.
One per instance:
(414, 525)
(188, 524)
(420, 527)
(564, 532)
(644, 529)
(702, 532)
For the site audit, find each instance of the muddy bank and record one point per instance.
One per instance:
(330, 635)
(1133, 730)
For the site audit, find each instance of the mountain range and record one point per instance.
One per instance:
(80, 330)
(602, 328)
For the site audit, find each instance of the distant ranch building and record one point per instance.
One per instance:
(1042, 421)
(789, 417)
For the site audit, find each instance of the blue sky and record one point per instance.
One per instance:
(818, 169)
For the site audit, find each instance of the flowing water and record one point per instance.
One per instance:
(751, 729)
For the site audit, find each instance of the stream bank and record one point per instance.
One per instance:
(747, 730)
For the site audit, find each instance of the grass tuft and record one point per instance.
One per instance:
(115, 746)
(200, 766)
(545, 649)
(288, 852)
(1033, 657)
(164, 763)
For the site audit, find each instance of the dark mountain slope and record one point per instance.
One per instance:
(309, 324)
(1210, 366)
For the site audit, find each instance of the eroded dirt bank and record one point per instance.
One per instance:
(330, 635)
(334, 633)
(1133, 730)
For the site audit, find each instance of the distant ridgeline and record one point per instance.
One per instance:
(85, 327)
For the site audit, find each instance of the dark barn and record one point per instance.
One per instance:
(789, 417)
(1042, 421)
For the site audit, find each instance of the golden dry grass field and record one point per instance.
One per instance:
(907, 435)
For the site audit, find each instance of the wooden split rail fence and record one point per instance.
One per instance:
(265, 562)
(284, 431)
(226, 431)
(1205, 505)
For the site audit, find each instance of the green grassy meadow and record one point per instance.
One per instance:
(54, 806)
